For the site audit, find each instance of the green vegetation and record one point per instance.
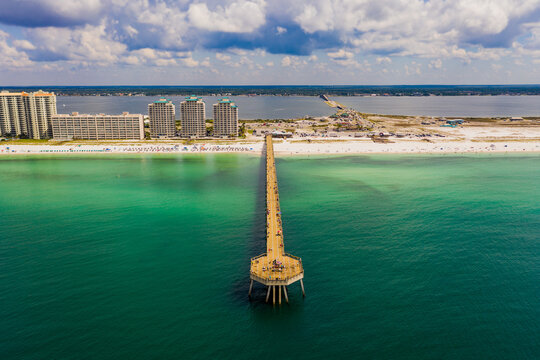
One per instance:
(343, 90)
(242, 131)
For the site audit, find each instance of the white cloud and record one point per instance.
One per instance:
(384, 60)
(435, 64)
(413, 69)
(292, 61)
(164, 32)
(415, 27)
(286, 61)
(238, 17)
(10, 56)
(316, 17)
(340, 55)
(223, 57)
(165, 62)
(344, 58)
(89, 43)
(205, 62)
(190, 62)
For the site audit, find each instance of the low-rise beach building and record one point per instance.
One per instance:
(161, 114)
(98, 127)
(225, 118)
(193, 120)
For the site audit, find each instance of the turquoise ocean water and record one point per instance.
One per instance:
(147, 257)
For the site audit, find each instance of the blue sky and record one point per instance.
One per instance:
(236, 42)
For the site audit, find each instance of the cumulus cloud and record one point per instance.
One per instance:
(88, 43)
(122, 31)
(286, 61)
(292, 61)
(238, 17)
(24, 44)
(10, 56)
(340, 55)
(435, 64)
(222, 57)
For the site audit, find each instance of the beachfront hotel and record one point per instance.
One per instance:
(225, 118)
(27, 114)
(98, 127)
(162, 118)
(193, 117)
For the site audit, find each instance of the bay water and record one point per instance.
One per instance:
(147, 257)
(293, 107)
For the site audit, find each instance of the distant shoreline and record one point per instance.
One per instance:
(301, 95)
(293, 90)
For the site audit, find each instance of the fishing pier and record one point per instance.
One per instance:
(275, 269)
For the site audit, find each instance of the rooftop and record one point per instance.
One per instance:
(193, 98)
(163, 101)
(76, 114)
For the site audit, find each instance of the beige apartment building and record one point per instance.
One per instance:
(225, 118)
(193, 119)
(98, 127)
(27, 114)
(162, 118)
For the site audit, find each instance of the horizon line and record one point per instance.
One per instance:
(259, 85)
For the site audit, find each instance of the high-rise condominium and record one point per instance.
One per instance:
(225, 118)
(27, 114)
(193, 116)
(162, 118)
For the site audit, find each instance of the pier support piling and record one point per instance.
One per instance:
(279, 294)
(302, 285)
(268, 293)
(273, 295)
(285, 293)
(250, 288)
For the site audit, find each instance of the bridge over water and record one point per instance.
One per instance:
(275, 269)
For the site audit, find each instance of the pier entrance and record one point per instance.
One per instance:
(275, 269)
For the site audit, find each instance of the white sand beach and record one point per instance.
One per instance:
(291, 147)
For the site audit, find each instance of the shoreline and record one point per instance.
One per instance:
(288, 148)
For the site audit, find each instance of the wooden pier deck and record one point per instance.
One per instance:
(275, 269)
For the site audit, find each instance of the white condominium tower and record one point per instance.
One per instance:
(27, 114)
(13, 120)
(162, 118)
(225, 118)
(193, 116)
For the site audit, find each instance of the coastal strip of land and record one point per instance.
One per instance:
(285, 147)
